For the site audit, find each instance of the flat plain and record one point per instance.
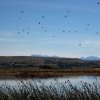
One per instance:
(28, 66)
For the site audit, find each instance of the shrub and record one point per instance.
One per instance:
(56, 91)
(45, 67)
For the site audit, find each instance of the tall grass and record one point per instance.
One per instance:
(30, 90)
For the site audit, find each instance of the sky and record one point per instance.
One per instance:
(65, 28)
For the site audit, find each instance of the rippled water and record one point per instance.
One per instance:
(73, 79)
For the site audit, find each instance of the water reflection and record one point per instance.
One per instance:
(48, 81)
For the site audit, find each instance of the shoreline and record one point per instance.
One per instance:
(46, 73)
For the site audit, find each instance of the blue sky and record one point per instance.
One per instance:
(56, 20)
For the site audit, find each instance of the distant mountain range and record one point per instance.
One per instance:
(90, 58)
(54, 56)
(39, 55)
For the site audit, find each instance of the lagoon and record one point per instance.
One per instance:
(12, 81)
(60, 88)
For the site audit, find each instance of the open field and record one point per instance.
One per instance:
(28, 66)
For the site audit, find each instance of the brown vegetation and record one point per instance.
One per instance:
(33, 72)
(21, 66)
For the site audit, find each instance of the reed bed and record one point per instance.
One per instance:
(31, 90)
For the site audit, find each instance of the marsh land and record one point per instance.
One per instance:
(32, 67)
(28, 66)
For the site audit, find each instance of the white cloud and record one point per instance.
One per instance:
(97, 43)
(87, 42)
(2, 39)
(91, 42)
(7, 34)
(13, 40)
(44, 38)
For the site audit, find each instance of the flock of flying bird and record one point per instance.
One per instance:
(23, 29)
(62, 31)
(28, 27)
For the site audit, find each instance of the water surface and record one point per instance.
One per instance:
(48, 81)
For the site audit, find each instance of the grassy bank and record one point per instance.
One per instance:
(56, 91)
(35, 72)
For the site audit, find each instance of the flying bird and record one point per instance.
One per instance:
(86, 29)
(23, 30)
(68, 31)
(42, 27)
(88, 24)
(98, 3)
(97, 32)
(27, 32)
(63, 31)
(42, 16)
(67, 11)
(18, 32)
(65, 16)
(75, 31)
(53, 36)
(45, 30)
(28, 28)
(22, 11)
(39, 22)
(79, 44)
(19, 18)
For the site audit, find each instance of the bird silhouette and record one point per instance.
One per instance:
(42, 16)
(86, 29)
(42, 27)
(98, 3)
(39, 22)
(65, 16)
(22, 11)
(97, 32)
(67, 11)
(63, 31)
(23, 30)
(68, 31)
(79, 44)
(18, 32)
(19, 18)
(53, 36)
(45, 30)
(75, 31)
(28, 28)
(27, 32)
(88, 24)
